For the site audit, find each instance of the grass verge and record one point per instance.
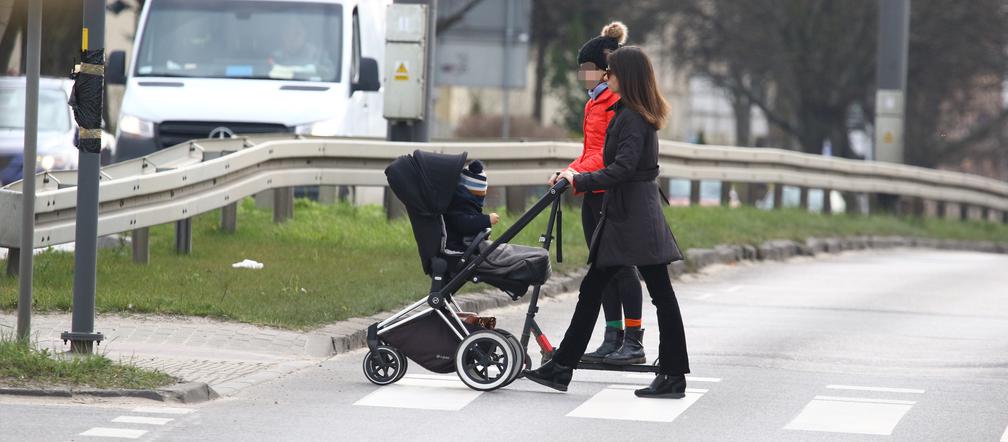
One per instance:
(24, 365)
(334, 262)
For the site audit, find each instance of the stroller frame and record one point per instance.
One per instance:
(440, 298)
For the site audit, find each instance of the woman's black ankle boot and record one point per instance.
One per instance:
(671, 386)
(552, 375)
(632, 351)
(612, 342)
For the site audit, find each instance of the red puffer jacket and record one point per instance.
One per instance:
(596, 119)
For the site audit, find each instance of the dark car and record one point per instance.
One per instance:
(56, 128)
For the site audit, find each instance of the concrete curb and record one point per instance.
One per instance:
(187, 393)
(349, 335)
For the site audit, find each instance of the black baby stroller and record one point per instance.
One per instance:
(430, 331)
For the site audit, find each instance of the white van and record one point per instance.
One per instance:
(215, 68)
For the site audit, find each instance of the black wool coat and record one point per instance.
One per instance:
(632, 230)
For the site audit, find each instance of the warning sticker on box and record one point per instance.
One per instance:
(401, 72)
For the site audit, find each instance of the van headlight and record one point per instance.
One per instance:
(324, 128)
(65, 159)
(135, 126)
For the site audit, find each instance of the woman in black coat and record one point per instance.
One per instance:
(632, 230)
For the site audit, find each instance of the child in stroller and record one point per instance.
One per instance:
(465, 219)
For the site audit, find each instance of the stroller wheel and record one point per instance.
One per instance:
(525, 362)
(486, 360)
(384, 365)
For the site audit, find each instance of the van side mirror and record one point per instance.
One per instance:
(115, 71)
(369, 80)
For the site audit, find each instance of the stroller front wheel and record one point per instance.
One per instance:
(384, 365)
(486, 360)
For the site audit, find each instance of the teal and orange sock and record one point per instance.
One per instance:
(632, 323)
(615, 324)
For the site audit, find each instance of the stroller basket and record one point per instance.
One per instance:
(428, 341)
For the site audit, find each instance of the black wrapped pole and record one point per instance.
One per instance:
(86, 102)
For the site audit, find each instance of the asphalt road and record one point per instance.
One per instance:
(901, 345)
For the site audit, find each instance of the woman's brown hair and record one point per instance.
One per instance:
(637, 85)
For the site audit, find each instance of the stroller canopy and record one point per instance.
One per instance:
(425, 181)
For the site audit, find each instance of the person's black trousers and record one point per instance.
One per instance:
(622, 295)
(672, 346)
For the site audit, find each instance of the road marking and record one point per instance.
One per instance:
(121, 433)
(426, 392)
(734, 289)
(618, 402)
(883, 389)
(1004, 437)
(850, 415)
(142, 420)
(163, 410)
(688, 378)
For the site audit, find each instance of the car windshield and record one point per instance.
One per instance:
(52, 109)
(242, 39)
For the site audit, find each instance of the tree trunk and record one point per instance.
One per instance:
(15, 27)
(540, 78)
(742, 108)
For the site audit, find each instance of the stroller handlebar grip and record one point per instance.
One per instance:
(561, 185)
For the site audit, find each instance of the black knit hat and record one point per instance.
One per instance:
(595, 50)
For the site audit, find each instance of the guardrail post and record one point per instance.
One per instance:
(13, 261)
(229, 218)
(940, 209)
(496, 197)
(516, 197)
(778, 196)
(393, 207)
(328, 194)
(917, 204)
(141, 245)
(694, 192)
(985, 213)
(827, 201)
(963, 211)
(1004, 217)
(283, 204)
(803, 199)
(183, 236)
(726, 193)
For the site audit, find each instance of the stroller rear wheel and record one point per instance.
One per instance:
(526, 361)
(486, 360)
(384, 365)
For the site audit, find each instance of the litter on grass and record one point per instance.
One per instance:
(247, 264)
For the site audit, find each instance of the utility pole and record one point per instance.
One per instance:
(87, 105)
(28, 172)
(891, 74)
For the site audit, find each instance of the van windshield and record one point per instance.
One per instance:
(242, 39)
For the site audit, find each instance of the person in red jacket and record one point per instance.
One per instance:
(622, 299)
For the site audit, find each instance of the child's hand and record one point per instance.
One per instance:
(494, 218)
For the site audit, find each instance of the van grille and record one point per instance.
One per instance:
(170, 133)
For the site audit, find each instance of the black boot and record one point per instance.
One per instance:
(552, 375)
(613, 340)
(632, 351)
(671, 386)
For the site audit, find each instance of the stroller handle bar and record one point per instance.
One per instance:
(552, 195)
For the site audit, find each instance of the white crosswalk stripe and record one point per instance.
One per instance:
(851, 415)
(428, 392)
(142, 420)
(618, 402)
(688, 378)
(121, 433)
(880, 389)
(1004, 437)
(163, 410)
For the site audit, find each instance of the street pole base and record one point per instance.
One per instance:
(81, 342)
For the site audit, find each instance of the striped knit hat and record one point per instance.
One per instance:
(474, 179)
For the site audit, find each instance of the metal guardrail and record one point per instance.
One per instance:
(180, 182)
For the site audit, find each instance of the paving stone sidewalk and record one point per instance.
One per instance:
(228, 356)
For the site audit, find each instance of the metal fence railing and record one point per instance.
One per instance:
(175, 184)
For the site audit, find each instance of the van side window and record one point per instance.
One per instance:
(355, 50)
